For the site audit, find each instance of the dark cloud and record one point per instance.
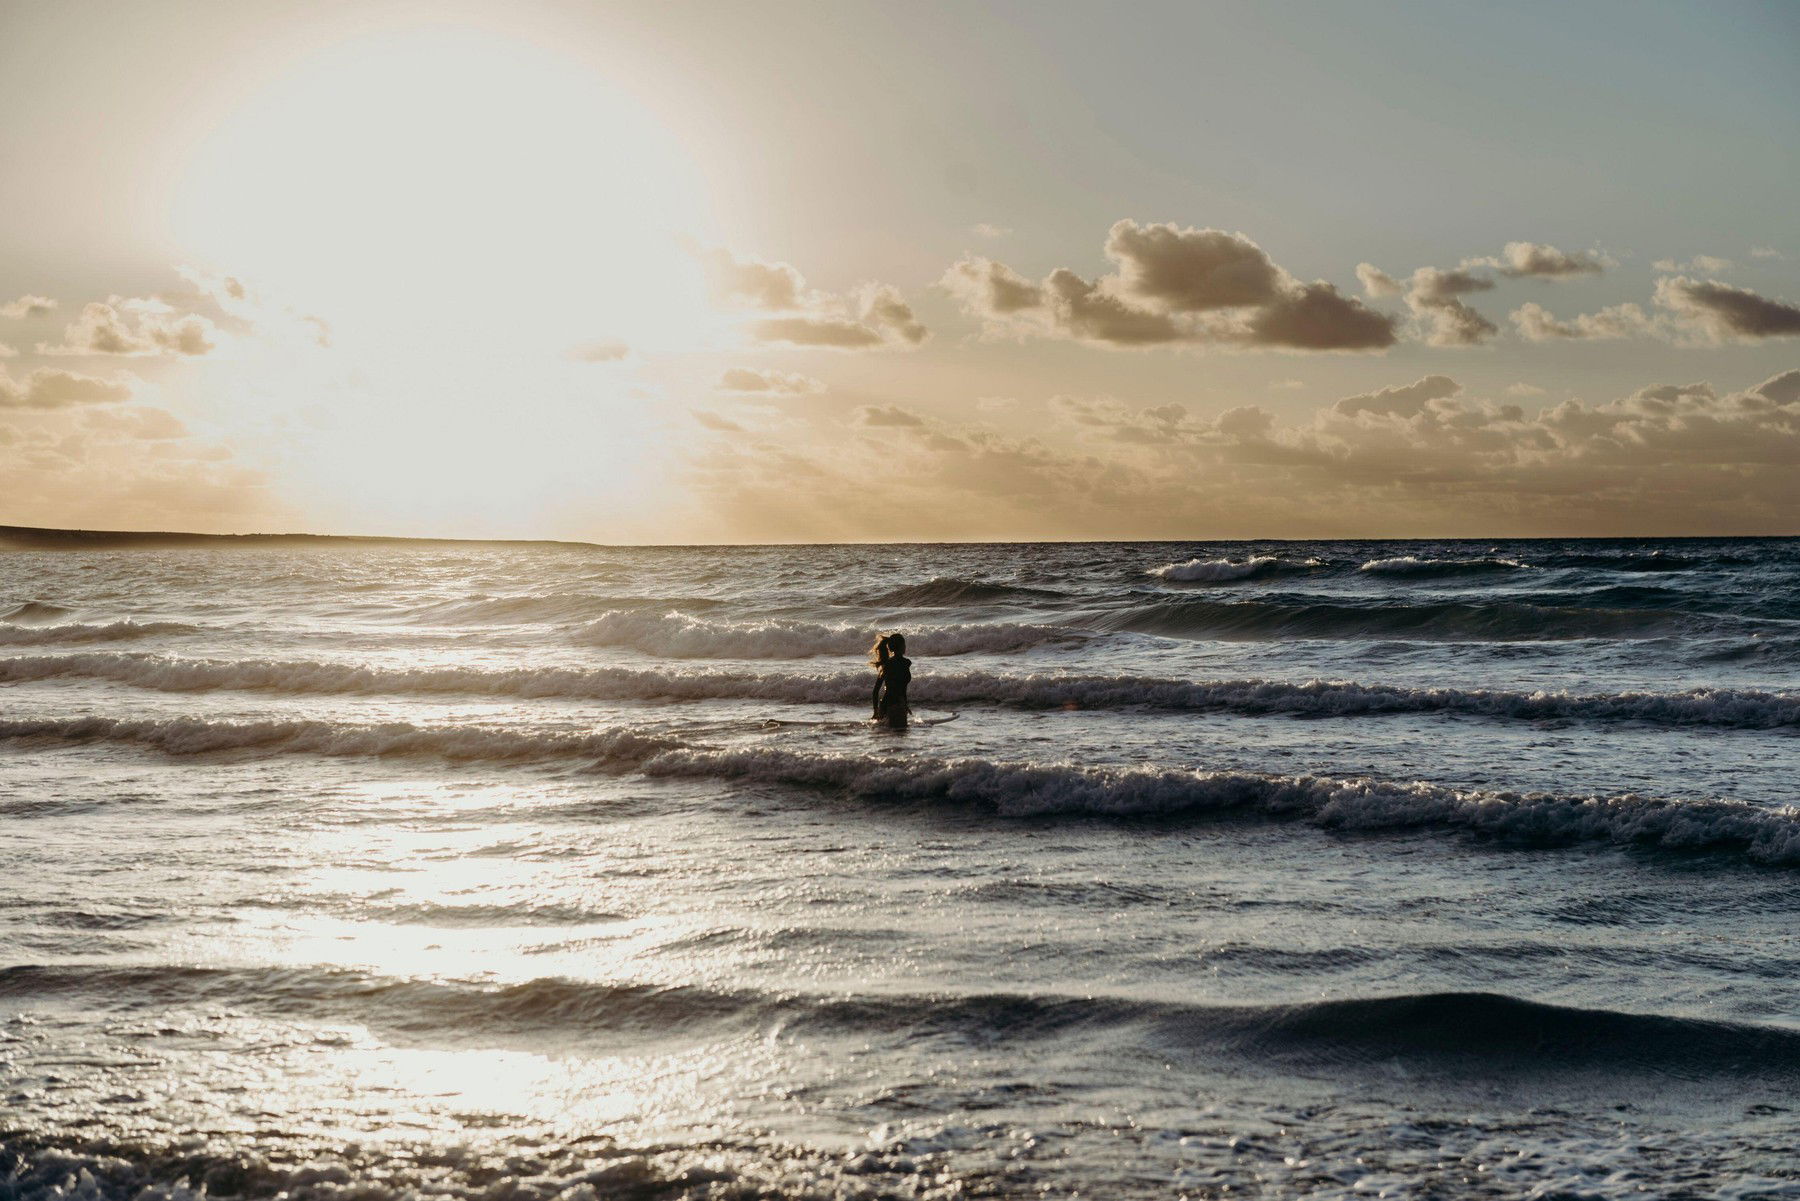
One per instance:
(1725, 312)
(1175, 285)
(1184, 270)
(1317, 316)
(886, 311)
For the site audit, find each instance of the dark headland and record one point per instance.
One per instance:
(25, 537)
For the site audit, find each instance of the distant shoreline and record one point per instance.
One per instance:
(27, 538)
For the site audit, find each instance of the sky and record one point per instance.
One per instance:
(680, 272)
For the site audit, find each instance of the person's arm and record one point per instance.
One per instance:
(875, 697)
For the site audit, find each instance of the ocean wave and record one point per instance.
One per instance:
(1218, 571)
(950, 592)
(1414, 566)
(1654, 561)
(69, 632)
(1445, 621)
(558, 608)
(683, 636)
(1357, 804)
(1721, 707)
(197, 736)
(1497, 1030)
(36, 613)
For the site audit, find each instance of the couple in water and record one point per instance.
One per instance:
(893, 672)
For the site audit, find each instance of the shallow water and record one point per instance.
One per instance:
(1306, 869)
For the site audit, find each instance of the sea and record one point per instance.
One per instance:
(521, 872)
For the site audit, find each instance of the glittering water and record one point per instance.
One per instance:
(1307, 869)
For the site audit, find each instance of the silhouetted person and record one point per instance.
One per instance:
(893, 672)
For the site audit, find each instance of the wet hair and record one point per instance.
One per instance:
(886, 646)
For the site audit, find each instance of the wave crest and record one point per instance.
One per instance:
(69, 632)
(1219, 571)
(683, 636)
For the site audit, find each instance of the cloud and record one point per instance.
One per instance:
(1173, 285)
(836, 332)
(886, 311)
(8, 352)
(135, 326)
(1524, 389)
(1765, 252)
(715, 422)
(1434, 296)
(49, 388)
(749, 282)
(1725, 312)
(1408, 400)
(1420, 457)
(1538, 324)
(599, 352)
(1184, 270)
(780, 383)
(28, 306)
(1377, 282)
(985, 229)
(892, 416)
(875, 315)
(1534, 259)
(1704, 263)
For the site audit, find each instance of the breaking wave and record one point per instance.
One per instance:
(682, 636)
(1360, 804)
(1218, 571)
(556, 608)
(1721, 707)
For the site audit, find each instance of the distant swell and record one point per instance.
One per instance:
(681, 636)
(117, 631)
(1219, 571)
(950, 592)
(553, 609)
(1298, 617)
(1720, 707)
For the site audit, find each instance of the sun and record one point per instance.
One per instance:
(464, 208)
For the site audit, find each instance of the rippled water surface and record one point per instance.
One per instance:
(1301, 870)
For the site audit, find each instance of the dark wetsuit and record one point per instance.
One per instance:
(890, 691)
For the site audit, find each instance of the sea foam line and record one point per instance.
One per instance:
(1718, 707)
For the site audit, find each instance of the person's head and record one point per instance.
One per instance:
(887, 646)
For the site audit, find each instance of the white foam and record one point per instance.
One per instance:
(1212, 571)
